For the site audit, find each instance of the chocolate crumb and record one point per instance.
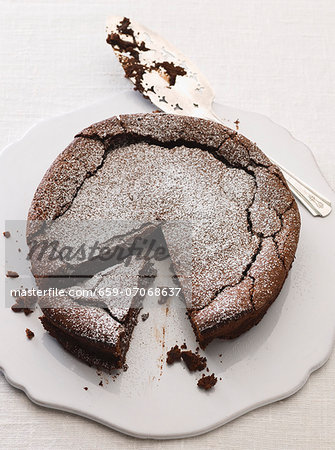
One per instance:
(156, 111)
(86, 388)
(144, 317)
(193, 361)
(12, 274)
(184, 346)
(171, 71)
(18, 309)
(207, 382)
(100, 384)
(124, 27)
(30, 334)
(24, 304)
(173, 355)
(6, 234)
(125, 367)
(237, 123)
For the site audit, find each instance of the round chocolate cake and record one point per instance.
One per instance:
(149, 171)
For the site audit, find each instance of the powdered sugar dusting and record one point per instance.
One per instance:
(144, 182)
(230, 303)
(117, 279)
(94, 324)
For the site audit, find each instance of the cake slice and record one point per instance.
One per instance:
(94, 321)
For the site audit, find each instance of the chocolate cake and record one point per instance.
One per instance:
(158, 170)
(94, 326)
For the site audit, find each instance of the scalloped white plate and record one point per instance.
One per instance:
(270, 362)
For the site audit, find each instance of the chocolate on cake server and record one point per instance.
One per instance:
(175, 85)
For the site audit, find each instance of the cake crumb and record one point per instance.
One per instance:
(6, 234)
(24, 304)
(86, 388)
(101, 383)
(184, 346)
(144, 317)
(193, 361)
(207, 382)
(15, 308)
(173, 355)
(12, 274)
(237, 123)
(30, 334)
(125, 367)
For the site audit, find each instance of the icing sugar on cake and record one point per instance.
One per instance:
(143, 183)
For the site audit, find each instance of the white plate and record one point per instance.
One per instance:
(270, 362)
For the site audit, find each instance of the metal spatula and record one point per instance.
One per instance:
(175, 85)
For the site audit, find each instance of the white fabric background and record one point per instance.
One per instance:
(270, 56)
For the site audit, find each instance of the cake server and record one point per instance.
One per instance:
(176, 86)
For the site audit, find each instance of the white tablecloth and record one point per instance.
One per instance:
(274, 57)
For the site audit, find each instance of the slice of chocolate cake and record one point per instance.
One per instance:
(94, 321)
(90, 334)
